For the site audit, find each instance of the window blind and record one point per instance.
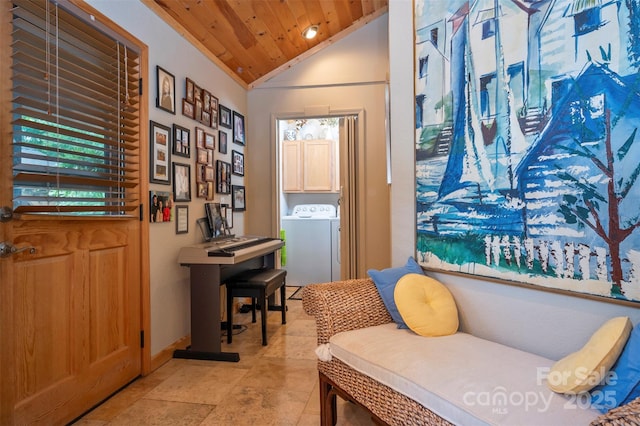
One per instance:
(75, 115)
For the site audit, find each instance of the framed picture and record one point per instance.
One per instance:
(181, 141)
(165, 90)
(213, 109)
(202, 156)
(223, 172)
(546, 206)
(238, 198)
(182, 219)
(209, 141)
(208, 174)
(181, 182)
(199, 137)
(222, 142)
(237, 160)
(188, 110)
(189, 90)
(161, 203)
(160, 154)
(197, 115)
(224, 116)
(197, 93)
(227, 214)
(201, 172)
(238, 128)
(206, 100)
(205, 118)
(201, 189)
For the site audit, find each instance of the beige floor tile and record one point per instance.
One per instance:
(276, 373)
(260, 406)
(199, 384)
(154, 412)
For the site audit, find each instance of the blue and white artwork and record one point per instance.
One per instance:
(527, 152)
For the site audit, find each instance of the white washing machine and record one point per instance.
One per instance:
(310, 242)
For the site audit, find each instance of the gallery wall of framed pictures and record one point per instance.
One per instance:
(214, 124)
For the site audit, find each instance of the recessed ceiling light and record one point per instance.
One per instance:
(310, 32)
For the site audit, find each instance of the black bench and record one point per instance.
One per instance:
(258, 284)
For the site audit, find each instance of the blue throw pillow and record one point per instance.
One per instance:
(622, 384)
(385, 282)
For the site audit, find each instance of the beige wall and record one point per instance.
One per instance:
(347, 77)
(169, 282)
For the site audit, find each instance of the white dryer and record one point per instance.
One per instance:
(309, 244)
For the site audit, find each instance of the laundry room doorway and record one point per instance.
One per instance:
(317, 166)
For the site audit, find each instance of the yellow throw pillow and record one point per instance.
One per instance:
(426, 306)
(583, 370)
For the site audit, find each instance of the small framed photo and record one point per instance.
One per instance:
(201, 174)
(189, 85)
(182, 219)
(181, 141)
(227, 213)
(225, 116)
(238, 198)
(214, 119)
(181, 182)
(237, 160)
(160, 154)
(197, 93)
(213, 109)
(187, 108)
(199, 137)
(238, 129)
(166, 90)
(161, 203)
(213, 104)
(197, 115)
(205, 118)
(202, 189)
(206, 100)
(202, 156)
(209, 174)
(223, 172)
(209, 141)
(222, 142)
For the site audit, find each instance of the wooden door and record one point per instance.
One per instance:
(70, 317)
(70, 308)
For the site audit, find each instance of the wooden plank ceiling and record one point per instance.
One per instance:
(253, 40)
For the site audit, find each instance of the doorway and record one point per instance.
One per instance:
(313, 161)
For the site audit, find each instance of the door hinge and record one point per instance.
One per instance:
(142, 339)
(140, 87)
(141, 212)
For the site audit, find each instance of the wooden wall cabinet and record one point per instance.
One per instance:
(308, 166)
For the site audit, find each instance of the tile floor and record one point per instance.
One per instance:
(271, 385)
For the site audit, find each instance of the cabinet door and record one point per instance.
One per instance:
(291, 166)
(318, 167)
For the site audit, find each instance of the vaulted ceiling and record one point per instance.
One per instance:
(253, 40)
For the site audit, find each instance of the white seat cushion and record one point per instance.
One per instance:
(462, 378)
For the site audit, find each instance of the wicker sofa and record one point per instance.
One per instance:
(344, 306)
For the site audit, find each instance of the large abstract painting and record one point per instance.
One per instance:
(527, 152)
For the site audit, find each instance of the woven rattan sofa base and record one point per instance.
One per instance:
(387, 406)
(353, 304)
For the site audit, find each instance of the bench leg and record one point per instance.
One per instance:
(328, 411)
(283, 302)
(263, 311)
(229, 314)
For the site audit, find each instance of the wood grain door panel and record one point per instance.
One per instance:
(76, 307)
